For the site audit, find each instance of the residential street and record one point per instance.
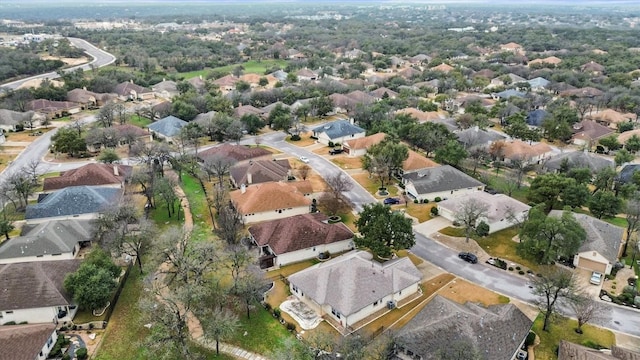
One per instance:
(100, 58)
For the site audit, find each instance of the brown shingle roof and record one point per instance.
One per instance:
(35, 284)
(518, 149)
(298, 232)
(90, 174)
(365, 142)
(445, 68)
(235, 152)
(590, 130)
(260, 171)
(130, 129)
(416, 161)
(24, 342)
(267, 197)
(125, 88)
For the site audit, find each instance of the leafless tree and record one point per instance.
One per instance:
(251, 287)
(519, 167)
(332, 200)
(121, 111)
(476, 156)
(77, 125)
(509, 184)
(553, 285)
(220, 324)
(218, 166)
(632, 211)
(164, 187)
(107, 114)
(585, 309)
(20, 185)
(238, 258)
(231, 224)
(468, 215)
(303, 171)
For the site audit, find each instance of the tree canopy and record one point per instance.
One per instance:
(383, 230)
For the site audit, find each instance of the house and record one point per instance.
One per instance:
(576, 160)
(537, 117)
(243, 110)
(585, 92)
(128, 134)
(54, 109)
(359, 146)
(512, 47)
(260, 171)
(226, 83)
(626, 174)
(518, 150)
(237, 153)
(83, 202)
(570, 351)
(443, 182)
(588, 132)
(34, 292)
(129, 91)
(94, 174)
(166, 89)
(502, 211)
(167, 128)
(382, 92)
(625, 136)
(551, 60)
(89, 99)
(509, 93)
(497, 332)
(602, 247)
(198, 83)
(538, 84)
(10, 120)
(270, 201)
(280, 75)
(416, 161)
(353, 54)
(476, 138)
(445, 68)
(420, 115)
(337, 131)
(612, 118)
(47, 241)
(342, 104)
(361, 97)
(352, 287)
(298, 238)
(420, 59)
(512, 79)
(27, 342)
(592, 68)
(306, 75)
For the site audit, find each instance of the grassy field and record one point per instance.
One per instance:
(250, 67)
(139, 121)
(264, 333)
(372, 185)
(563, 329)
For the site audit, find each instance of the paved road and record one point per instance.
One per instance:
(100, 58)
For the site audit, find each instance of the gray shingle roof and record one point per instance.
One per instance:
(51, 237)
(169, 126)
(441, 178)
(352, 281)
(474, 137)
(35, 284)
(570, 351)
(495, 331)
(626, 174)
(338, 129)
(602, 237)
(579, 159)
(74, 200)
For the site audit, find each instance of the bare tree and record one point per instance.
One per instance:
(218, 166)
(77, 125)
(251, 287)
(632, 211)
(468, 215)
(164, 187)
(585, 309)
(238, 258)
(220, 324)
(138, 242)
(107, 114)
(20, 186)
(303, 171)
(121, 111)
(553, 285)
(332, 200)
(231, 224)
(509, 184)
(520, 168)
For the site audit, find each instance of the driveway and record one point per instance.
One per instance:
(431, 226)
(582, 277)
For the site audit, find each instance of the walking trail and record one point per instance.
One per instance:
(195, 328)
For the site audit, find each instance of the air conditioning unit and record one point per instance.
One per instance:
(391, 304)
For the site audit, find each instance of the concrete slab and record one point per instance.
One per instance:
(429, 227)
(582, 277)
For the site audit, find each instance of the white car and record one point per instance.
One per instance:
(596, 278)
(304, 159)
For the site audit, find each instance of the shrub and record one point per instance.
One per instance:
(90, 325)
(518, 268)
(632, 281)
(636, 301)
(613, 287)
(521, 272)
(482, 229)
(277, 313)
(425, 201)
(415, 201)
(593, 345)
(510, 268)
(331, 144)
(291, 326)
(81, 353)
(23, 323)
(437, 199)
(337, 144)
(434, 211)
(267, 306)
(295, 137)
(531, 338)
(66, 357)
(9, 323)
(630, 290)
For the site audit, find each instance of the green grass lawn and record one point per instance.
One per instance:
(161, 217)
(250, 67)
(139, 121)
(497, 182)
(563, 329)
(264, 333)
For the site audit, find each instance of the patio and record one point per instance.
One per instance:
(301, 313)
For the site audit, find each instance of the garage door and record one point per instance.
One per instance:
(592, 265)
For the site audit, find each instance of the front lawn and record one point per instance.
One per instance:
(261, 334)
(563, 329)
(422, 212)
(371, 185)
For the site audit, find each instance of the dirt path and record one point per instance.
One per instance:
(193, 323)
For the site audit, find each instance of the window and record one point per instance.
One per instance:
(8, 312)
(335, 312)
(295, 288)
(49, 342)
(376, 303)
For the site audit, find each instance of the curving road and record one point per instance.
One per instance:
(100, 58)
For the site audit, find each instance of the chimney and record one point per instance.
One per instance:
(84, 88)
(131, 81)
(200, 76)
(163, 79)
(243, 188)
(116, 172)
(249, 178)
(476, 128)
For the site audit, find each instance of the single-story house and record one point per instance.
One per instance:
(416, 161)
(260, 171)
(27, 342)
(625, 136)
(536, 117)
(588, 132)
(338, 131)
(54, 109)
(94, 174)
(570, 351)
(381, 92)
(353, 286)
(88, 99)
(166, 89)
(551, 60)
(270, 201)
(298, 238)
(578, 159)
(626, 173)
(518, 150)
(10, 120)
(34, 292)
(538, 83)
(47, 241)
(239, 153)
(497, 332)
(601, 249)
(476, 138)
(129, 91)
(444, 182)
(502, 211)
(74, 201)
(359, 146)
(167, 128)
(612, 118)
(506, 94)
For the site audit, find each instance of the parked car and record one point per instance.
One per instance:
(336, 151)
(304, 159)
(468, 257)
(391, 201)
(596, 278)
